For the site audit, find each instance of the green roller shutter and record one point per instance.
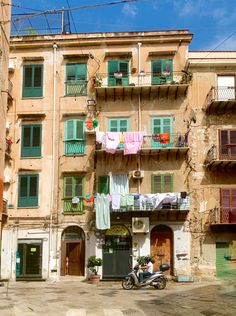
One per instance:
(225, 265)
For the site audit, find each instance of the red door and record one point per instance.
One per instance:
(162, 246)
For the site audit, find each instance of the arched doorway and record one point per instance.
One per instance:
(73, 251)
(116, 252)
(162, 246)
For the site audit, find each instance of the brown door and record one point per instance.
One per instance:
(162, 246)
(75, 257)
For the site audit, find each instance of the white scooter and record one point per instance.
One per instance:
(156, 279)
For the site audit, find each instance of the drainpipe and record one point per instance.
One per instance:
(139, 107)
(53, 156)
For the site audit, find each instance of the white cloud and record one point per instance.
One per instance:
(222, 44)
(130, 10)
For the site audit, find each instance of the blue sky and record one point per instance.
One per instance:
(213, 22)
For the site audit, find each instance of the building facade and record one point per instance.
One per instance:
(108, 156)
(5, 101)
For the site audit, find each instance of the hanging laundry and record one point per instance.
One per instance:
(156, 137)
(119, 184)
(102, 207)
(112, 140)
(115, 201)
(132, 142)
(100, 137)
(165, 138)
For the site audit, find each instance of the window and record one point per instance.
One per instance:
(227, 139)
(73, 193)
(74, 137)
(162, 183)
(162, 71)
(28, 190)
(228, 205)
(31, 141)
(118, 73)
(103, 184)
(32, 81)
(161, 125)
(118, 125)
(76, 79)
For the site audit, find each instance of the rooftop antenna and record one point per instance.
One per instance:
(65, 22)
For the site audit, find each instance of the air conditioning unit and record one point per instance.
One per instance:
(140, 224)
(138, 174)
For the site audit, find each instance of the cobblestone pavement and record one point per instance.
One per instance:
(77, 297)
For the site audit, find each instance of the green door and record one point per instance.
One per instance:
(225, 264)
(161, 125)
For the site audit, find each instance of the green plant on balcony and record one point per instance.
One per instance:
(97, 81)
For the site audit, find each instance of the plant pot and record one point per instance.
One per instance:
(94, 278)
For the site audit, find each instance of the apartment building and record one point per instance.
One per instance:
(213, 154)
(5, 101)
(109, 151)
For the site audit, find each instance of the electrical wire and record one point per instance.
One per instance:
(76, 9)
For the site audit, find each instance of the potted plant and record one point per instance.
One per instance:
(92, 265)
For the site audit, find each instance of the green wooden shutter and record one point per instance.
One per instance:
(31, 141)
(28, 191)
(112, 67)
(80, 131)
(124, 68)
(32, 81)
(69, 130)
(81, 71)
(162, 183)
(76, 79)
(103, 184)
(68, 187)
(162, 125)
(118, 125)
(162, 71)
(156, 71)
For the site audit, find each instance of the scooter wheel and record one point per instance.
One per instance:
(160, 284)
(128, 284)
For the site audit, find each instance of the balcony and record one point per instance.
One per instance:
(220, 100)
(163, 206)
(223, 219)
(71, 208)
(76, 87)
(153, 145)
(171, 85)
(221, 157)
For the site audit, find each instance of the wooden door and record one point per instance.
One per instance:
(162, 246)
(75, 255)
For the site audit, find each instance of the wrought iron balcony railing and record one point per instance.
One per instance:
(219, 95)
(151, 202)
(69, 207)
(157, 141)
(76, 87)
(223, 215)
(142, 79)
(227, 152)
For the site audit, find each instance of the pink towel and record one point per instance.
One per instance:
(132, 142)
(112, 140)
